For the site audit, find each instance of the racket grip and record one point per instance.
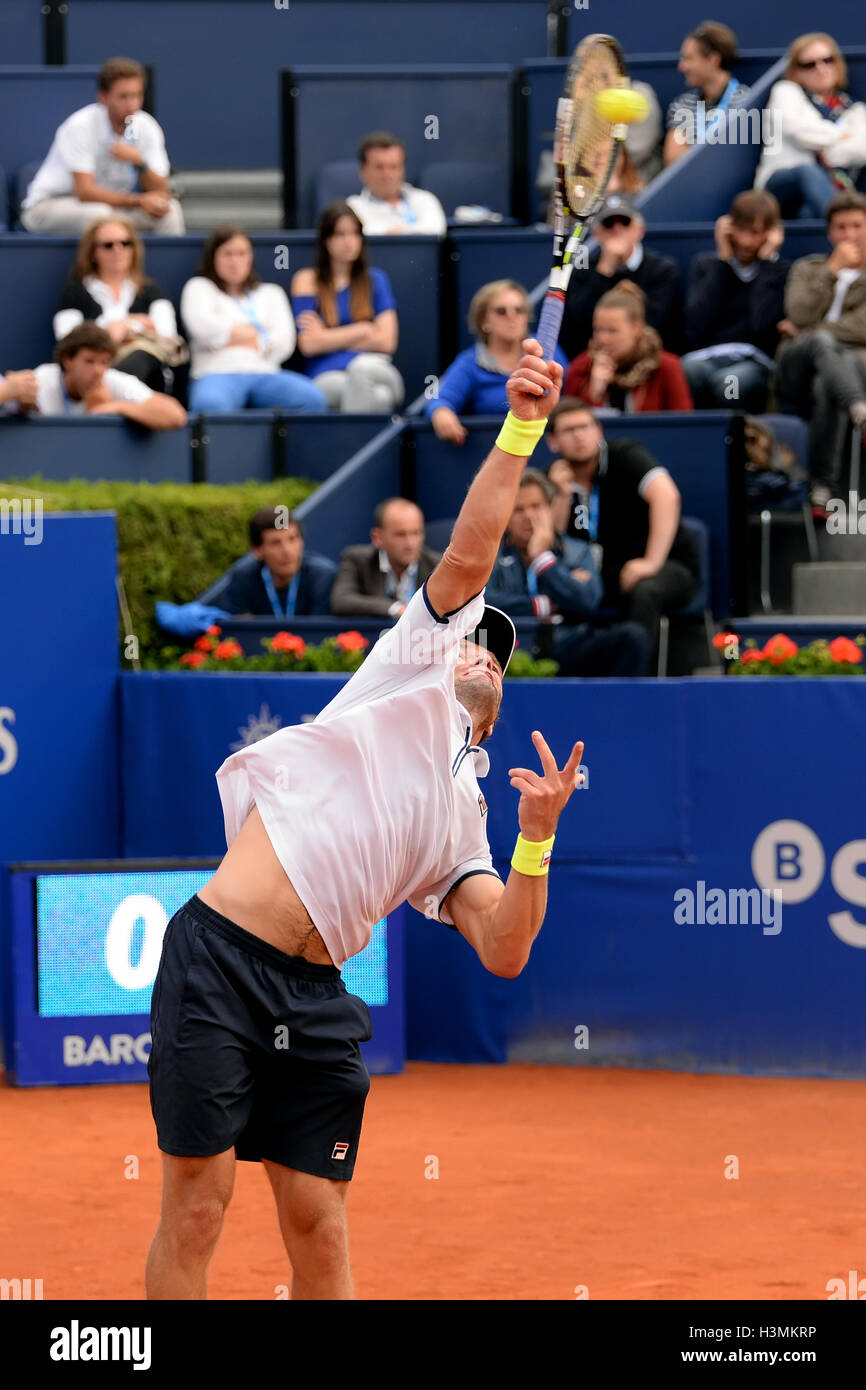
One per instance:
(549, 322)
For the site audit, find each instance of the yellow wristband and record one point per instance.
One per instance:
(519, 437)
(532, 857)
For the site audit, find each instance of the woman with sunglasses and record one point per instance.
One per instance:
(815, 134)
(475, 382)
(108, 287)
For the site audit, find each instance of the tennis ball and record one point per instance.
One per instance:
(622, 105)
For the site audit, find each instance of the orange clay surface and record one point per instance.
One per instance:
(549, 1178)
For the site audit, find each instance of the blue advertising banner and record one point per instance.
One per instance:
(82, 952)
(707, 906)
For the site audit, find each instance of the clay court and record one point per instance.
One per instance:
(549, 1178)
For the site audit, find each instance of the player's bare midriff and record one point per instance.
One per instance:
(252, 889)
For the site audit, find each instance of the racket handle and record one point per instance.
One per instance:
(549, 322)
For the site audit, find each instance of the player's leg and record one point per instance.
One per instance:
(195, 1195)
(312, 1214)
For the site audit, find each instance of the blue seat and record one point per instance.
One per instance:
(337, 181)
(790, 430)
(4, 202)
(465, 181)
(437, 533)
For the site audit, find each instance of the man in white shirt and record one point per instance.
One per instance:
(388, 204)
(822, 367)
(331, 825)
(108, 155)
(80, 382)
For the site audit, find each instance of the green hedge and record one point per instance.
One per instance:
(173, 539)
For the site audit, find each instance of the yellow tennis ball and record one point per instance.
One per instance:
(622, 105)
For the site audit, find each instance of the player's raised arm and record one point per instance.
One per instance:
(533, 390)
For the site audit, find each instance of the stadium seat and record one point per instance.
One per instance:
(792, 431)
(338, 180)
(464, 181)
(4, 202)
(700, 604)
(437, 533)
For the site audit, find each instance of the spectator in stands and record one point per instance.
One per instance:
(625, 365)
(821, 366)
(240, 331)
(108, 287)
(816, 135)
(544, 574)
(98, 156)
(707, 56)
(475, 382)
(614, 494)
(625, 177)
(378, 580)
(387, 203)
(643, 143)
(278, 576)
(81, 381)
(347, 319)
(735, 302)
(622, 255)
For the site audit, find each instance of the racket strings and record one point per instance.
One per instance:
(588, 142)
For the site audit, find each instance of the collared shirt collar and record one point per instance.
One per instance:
(482, 762)
(405, 586)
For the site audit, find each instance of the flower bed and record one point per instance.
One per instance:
(780, 656)
(287, 652)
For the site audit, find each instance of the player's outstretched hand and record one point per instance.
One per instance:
(534, 386)
(542, 798)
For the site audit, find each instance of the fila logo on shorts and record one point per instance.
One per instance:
(340, 1151)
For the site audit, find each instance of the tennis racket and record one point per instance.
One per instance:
(584, 153)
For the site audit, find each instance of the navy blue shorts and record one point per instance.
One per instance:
(254, 1050)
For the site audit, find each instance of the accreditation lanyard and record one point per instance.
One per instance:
(592, 521)
(248, 307)
(720, 108)
(291, 595)
(67, 404)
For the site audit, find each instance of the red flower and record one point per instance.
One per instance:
(228, 648)
(843, 649)
(288, 642)
(779, 648)
(722, 639)
(193, 659)
(352, 642)
(214, 631)
(751, 654)
(203, 644)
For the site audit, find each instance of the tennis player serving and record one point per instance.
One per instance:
(331, 825)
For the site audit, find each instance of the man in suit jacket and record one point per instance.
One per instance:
(378, 580)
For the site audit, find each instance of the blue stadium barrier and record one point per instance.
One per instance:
(653, 991)
(4, 201)
(472, 108)
(662, 28)
(21, 32)
(340, 512)
(34, 269)
(800, 630)
(241, 446)
(54, 447)
(33, 102)
(238, 50)
(59, 730)
(696, 448)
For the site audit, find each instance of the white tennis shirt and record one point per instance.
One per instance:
(377, 800)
